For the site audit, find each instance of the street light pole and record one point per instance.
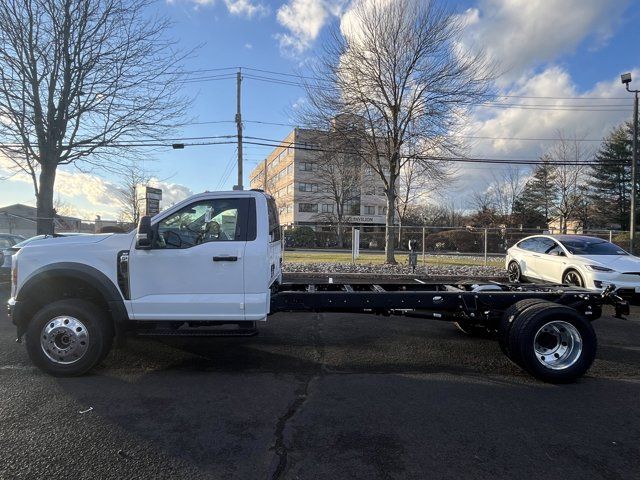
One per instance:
(626, 79)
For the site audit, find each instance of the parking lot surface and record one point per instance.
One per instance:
(323, 396)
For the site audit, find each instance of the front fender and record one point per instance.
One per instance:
(36, 289)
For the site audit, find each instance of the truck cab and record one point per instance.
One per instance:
(212, 258)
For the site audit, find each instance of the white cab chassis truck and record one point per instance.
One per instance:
(214, 261)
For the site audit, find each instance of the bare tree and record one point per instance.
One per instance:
(77, 79)
(569, 159)
(130, 195)
(338, 176)
(416, 181)
(63, 208)
(396, 71)
(505, 189)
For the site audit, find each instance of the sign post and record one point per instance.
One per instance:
(355, 244)
(152, 200)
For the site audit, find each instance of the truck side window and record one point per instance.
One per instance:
(274, 221)
(218, 220)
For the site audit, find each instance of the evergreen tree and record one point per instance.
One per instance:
(534, 207)
(610, 179)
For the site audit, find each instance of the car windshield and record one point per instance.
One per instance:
(592, 247)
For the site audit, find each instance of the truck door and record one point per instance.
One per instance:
(194, 269)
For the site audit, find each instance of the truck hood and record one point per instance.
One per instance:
(72, 240)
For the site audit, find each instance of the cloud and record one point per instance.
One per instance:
(246, 8)
(172, 193)
(87, 195)
(567, 118)
(240, 8)
(522, 34)
(303, 20)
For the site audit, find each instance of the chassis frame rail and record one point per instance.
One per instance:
(478, 303)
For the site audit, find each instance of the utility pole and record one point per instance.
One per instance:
(626, 80)
(239, 125)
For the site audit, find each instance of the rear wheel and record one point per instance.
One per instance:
(572, 277)
(513, 272)
(69, 337)
(554, 343)
(509, 316)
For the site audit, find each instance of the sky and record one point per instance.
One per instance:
(543, 48)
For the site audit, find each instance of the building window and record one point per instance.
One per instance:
(352, 207)
(290, 169)
(308, 207)
(382, 210)
(369, 210)
(308, 187)
(306, 166)
(327, 208)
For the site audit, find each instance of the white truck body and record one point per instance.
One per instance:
(178, 284)
(215, 259)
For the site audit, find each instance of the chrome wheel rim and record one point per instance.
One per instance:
(513, 272)
(558, 345)
(572, 278)
(64, 340)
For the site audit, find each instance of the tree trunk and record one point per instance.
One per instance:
(340, 237)
(44, 204)
(389, 237)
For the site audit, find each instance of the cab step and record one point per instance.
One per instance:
(248, 331)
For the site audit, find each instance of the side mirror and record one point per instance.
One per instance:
(144, 235)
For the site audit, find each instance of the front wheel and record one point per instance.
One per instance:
(69, 337)
(513, 272)
(573, 278)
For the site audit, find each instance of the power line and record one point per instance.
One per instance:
(523, 161)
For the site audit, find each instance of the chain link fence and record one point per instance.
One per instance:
(462, 241)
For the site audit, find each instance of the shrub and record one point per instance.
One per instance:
(455, 240)
(300, 237)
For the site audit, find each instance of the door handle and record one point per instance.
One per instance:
(225, 258)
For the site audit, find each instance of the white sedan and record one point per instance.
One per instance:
(573, 260)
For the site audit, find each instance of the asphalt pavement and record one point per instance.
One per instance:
(327, 396)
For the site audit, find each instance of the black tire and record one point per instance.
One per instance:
(514, 274)
(572, 277)
(508, 317)
(567, 340)
(73, 357)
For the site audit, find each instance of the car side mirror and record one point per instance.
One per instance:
(144, 235)
(559, 253)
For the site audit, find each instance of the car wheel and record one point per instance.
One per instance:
(69, 337)
(572, 277)
(514, 273)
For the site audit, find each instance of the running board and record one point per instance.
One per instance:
(199, 332)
